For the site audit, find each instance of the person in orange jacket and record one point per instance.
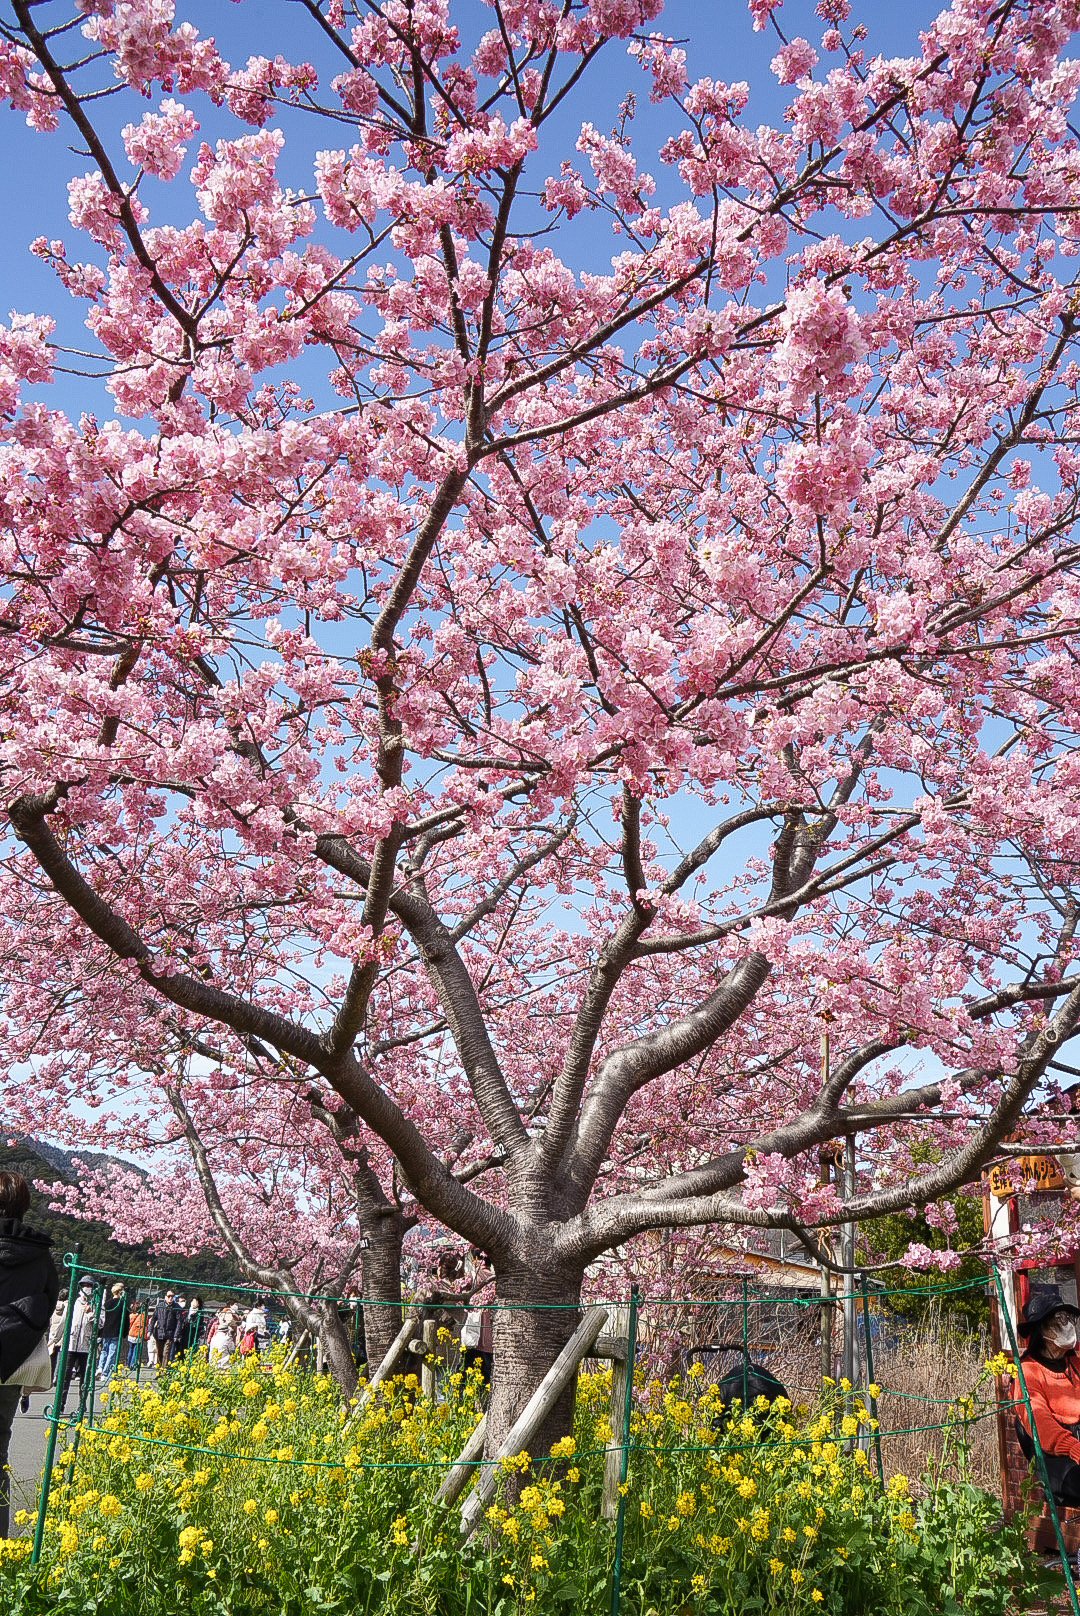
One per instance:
(1051, 1367)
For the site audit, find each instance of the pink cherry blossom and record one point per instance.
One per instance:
(795, 61)
(156, 143)
(538, 659)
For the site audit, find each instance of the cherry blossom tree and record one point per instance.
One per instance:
(653, 641)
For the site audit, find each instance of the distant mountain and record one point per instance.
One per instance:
(37, 1159)
(63, 1161)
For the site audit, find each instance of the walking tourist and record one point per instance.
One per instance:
(255, 1330)
(194, 1324)
(136, 1335)
(29, 1286)
(163, 1328)
(83, 1315)
(56, 1331)
(179, 1335)
(222, 1340)
(112, 1322)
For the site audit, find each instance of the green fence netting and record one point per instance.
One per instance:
(666, 1342)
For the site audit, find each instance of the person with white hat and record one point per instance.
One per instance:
(83, 1315)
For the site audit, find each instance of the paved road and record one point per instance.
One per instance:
(27, 1453)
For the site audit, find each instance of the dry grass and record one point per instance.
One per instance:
(922, 1367)
(923, 1362)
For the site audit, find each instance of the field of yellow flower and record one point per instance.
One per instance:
(256, 1493)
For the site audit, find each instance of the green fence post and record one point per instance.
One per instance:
(121, 1340)
(86, 1391)
(53, 1416)
(624, 1462)
(144, 1334)
(745, 1347)
(86, 1394)
(1040, 1456)
(870, 1379)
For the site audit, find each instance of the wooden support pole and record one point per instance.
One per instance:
(534, 1413)
(295, 1349)
(427, 1372)
(399, 1345)
(459, 1475)
(613, 1457)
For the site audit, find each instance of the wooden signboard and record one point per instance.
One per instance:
(1035, 1172)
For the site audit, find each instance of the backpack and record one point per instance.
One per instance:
(470, 1329)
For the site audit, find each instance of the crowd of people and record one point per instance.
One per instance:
(154, 1332)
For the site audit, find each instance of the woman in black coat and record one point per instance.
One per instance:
(29, 1286)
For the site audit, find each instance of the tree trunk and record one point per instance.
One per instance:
(323, 1323)
(536, 1314)
(381, 1288)
(334, 1335)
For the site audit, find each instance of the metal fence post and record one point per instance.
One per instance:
(53, 1416)
(121, 1340)
(1040, 1456)
(86, 1393)
(870, 1379)
(144, 1333)
(745, 1347)
(620, 1515)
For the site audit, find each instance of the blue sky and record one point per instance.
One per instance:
(717, 35)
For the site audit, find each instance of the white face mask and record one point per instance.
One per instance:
(1061, 1333)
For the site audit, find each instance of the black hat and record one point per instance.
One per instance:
(1044, 1300)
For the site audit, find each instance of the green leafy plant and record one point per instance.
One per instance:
(246, 1492)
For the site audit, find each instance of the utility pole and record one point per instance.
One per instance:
(847, 1248)
(826, 1284)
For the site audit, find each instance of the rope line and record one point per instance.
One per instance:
(833, 1299)
(720, 1446)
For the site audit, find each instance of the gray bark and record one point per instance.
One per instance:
(381, 1270)
(536, 1314)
